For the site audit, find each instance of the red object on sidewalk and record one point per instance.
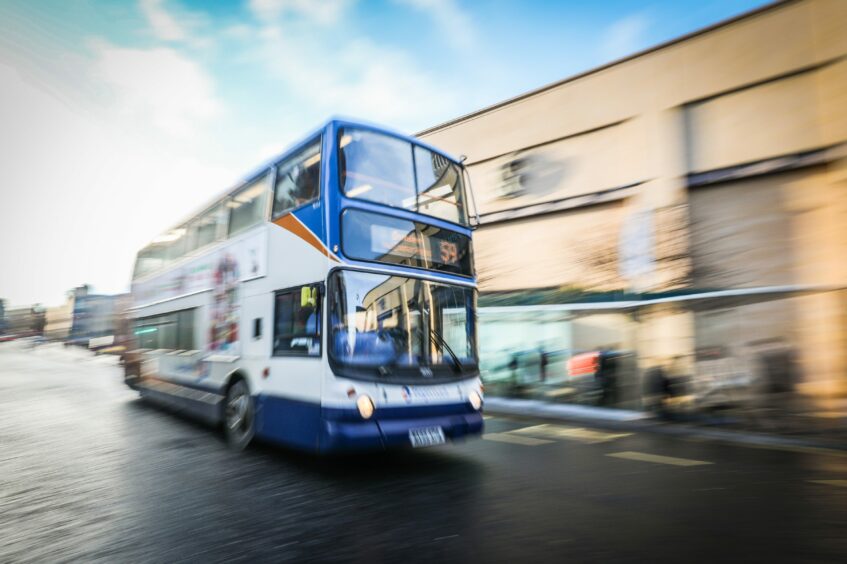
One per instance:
(584, 364)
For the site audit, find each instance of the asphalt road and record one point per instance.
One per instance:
(88, 472)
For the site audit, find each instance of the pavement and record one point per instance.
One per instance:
(804, 426)
(89, 472)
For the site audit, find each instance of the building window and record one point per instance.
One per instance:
(298, 179)
(297, 322)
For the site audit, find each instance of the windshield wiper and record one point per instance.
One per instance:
(440, 340)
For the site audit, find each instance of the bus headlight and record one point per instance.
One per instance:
(475, 399)
(366, 406)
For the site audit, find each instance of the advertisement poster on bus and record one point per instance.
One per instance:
(219, 270)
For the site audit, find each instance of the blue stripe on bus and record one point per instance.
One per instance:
(308, 426)
(311, 217)
(288, 421)
(398, 412)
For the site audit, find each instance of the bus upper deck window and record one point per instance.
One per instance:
(298, 179)
(247, 207)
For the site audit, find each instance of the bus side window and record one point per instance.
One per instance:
(204, 229)
(247, 207)
(298, 179)
(171, 331)
(297, 323)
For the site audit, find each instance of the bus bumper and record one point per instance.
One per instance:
(380, 434)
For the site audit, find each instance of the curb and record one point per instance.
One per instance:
(565, 411)
(628, 420)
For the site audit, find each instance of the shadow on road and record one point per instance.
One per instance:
(365, 467)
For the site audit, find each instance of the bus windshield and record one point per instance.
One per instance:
(402, 326)
(388, 170)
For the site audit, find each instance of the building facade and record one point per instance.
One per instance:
(59, 320)
(685, 200)
(94, 315)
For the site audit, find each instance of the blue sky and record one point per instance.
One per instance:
(120, 118)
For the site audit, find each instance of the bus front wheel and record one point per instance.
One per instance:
(238, 416)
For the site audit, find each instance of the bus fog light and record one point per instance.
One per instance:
(366, 406)
(475, 399)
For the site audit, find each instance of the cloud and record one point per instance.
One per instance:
(160, 85)
(162, 23)
(324, 12)
(82, 193)
(454, 23)
(358, 78)
(624, 36)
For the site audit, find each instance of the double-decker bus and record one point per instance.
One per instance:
(328, 302)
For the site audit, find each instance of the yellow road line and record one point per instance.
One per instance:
(658, 459)
(839, 483)
(580, 434)
(515, 439)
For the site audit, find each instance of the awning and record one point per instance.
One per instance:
(694, 300)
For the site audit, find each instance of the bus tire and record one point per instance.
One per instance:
(239, 420)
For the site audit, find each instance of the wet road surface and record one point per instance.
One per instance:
(88, 472)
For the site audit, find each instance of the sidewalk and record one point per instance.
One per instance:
(788, 430)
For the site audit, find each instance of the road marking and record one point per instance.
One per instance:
(839, 483)
(803, 449)
(515, 439)
(777, 447)
(560, 392)
(826, 414)
(580, 434)
(658, 459)
(486, 417)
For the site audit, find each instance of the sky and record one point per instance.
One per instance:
(120, 118)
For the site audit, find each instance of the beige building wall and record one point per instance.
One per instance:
(59, 320)
(731, 139)
(559, 249)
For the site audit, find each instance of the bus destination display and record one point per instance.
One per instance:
(374, 237)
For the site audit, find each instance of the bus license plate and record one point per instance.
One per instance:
(426, 436)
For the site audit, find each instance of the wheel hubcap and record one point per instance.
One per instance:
(237, 412)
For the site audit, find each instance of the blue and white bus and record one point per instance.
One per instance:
(328, 302)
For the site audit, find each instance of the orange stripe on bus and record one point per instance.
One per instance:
(295, 226)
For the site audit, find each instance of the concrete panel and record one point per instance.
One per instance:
(576, 248)
(773, 119)
(588, 163)
(742, 233)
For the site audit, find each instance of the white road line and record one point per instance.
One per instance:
(560, 392)
(514, 439)
(776, 447)
(839, 483)
(580, 434)
(827, 414)
(658, 459)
